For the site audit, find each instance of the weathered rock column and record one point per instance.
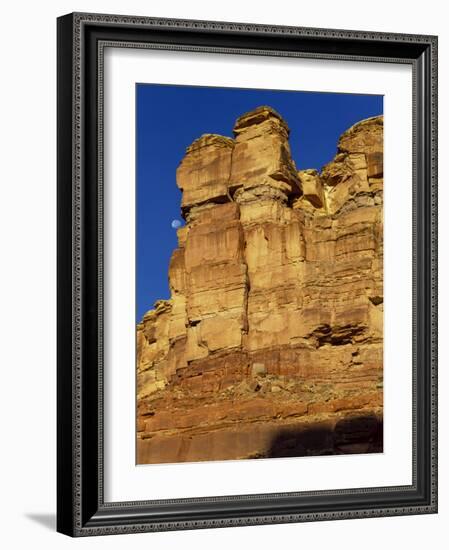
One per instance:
(262, 167)
(274, 327)
(216, 275)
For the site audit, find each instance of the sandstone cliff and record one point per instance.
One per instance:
(271, 342)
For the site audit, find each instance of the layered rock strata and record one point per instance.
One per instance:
(272, 341)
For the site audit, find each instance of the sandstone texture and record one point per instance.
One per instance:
(272, 341)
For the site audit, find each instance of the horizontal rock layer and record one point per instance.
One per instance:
(272, 341)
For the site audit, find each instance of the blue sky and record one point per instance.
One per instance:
(169, 118)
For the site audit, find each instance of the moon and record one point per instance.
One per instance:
(175, 224)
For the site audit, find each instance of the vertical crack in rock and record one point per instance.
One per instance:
(272, 341)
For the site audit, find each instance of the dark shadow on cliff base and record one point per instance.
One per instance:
(46, 520)
(351, 435)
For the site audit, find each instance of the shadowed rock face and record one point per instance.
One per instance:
(272, 341)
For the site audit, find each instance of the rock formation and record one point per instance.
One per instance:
(272, 341)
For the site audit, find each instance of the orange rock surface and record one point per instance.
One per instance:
(272, 341)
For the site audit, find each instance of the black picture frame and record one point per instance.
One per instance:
(81, 510)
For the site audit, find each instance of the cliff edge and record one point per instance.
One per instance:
(272, 341)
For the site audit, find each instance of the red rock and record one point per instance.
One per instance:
(272, 341)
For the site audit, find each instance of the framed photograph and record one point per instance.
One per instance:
(247, 279)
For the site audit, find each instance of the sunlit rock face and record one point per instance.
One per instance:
(272, 341)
